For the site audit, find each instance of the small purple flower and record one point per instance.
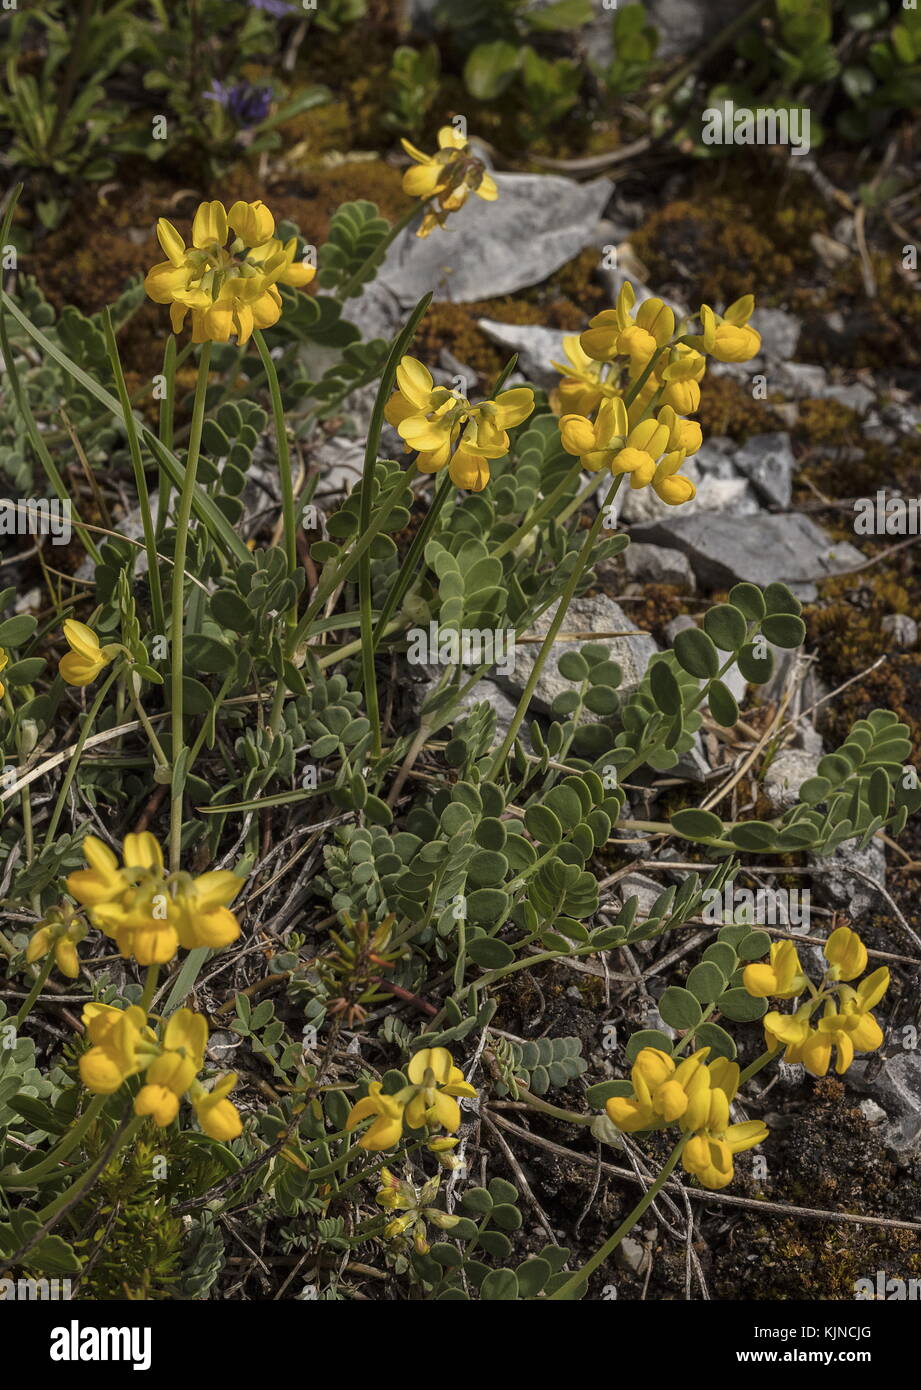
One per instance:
(246, 104)
(279, 8)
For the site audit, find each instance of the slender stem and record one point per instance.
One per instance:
(284, 465)
(566, 597)
(150, 986)
(35, 991)
(88, 723)
(140, 478)
(167, 409)
(178, 595)
(52, 1161)
(572, 1285)
(407, 571)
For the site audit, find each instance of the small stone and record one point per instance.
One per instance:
(767, 461)
(802, 379)
(786, 774)
(538, 348)
(838, 886)
(902, 629)
(875, 1114)
(630, 1255)
(898, 1085)
(779, 333)
(830, 252)
(656, 565)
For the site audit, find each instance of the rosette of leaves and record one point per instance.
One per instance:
(860, 789)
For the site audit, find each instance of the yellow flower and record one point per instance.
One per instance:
(664, 1091)
(447, 177)
(582, 387)
(160, 1102)
(387, 1129)
(709, 1152)
(59, 933)
(729, 337)
(681, 378)
(619, 333)
(435, 1081)
(846, 954)
(86, 657)
(228, 277)
(645, 451)
(116, 1035)
(783, 978)
(147, 913)
(447, 430)
(218, 1116)
(4, 661)
(843, 1030)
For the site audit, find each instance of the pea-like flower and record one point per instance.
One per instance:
(649, 451)
(783, 978)
(148, 913)
(446, 178)
(846, 1025)
(87, 656)
(395, 1194)
(729, 337)
(229, 277)
(116, 1036)
(59, 933)
(708, 1154)
(448, 430)
(619, 332)
(123, 1044)
(387, 1111)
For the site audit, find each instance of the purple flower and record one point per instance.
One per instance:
(279, 8)
(246, 104)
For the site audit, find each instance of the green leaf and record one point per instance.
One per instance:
(717, 1039)
(756, 668)
(754, 946)
(784, 630)
(490, 68)
(664, 687)
(696, 653)
(723, 705)
(16, 630)
(779, 599)
(647, 1037)
(706, 982)
(726, 625)
(697, 825)
(738, 1005)
(489, 953)
(679, 1008)
(500, 1285)
(748, 599)
(543, 825)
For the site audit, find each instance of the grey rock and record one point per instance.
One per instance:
(800, 379)
(679, 624)
(538, 348)
(873, 1113)
(788, 547)
(642, 507)
(767, 461)
(786, 774)
(856, 396)
(656, 565)
(630, 1255)
(341, 462)
(838, 886)
(898, 1085)
(902, 629)
(779, 333)
(483, 251)
(599, 614)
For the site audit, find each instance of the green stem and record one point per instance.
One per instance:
(167, 409)
(566, 597)
(407, 570)
(573, 1284)
(88, 723)
(177, 610)
(284, 465)
(35, 991)
(50, 1164)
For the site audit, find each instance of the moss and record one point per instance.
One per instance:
(728, 407)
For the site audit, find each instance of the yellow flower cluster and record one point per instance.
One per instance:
(122, 1044)
(60, 933)
(395, 1194)
(87, 657)
(641, 382)
(448, 177)
(4, 661)
(427, 1102)
(229, 276)
(846, 1025)
(447, 430)
(696, 1096)
(148, 913)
